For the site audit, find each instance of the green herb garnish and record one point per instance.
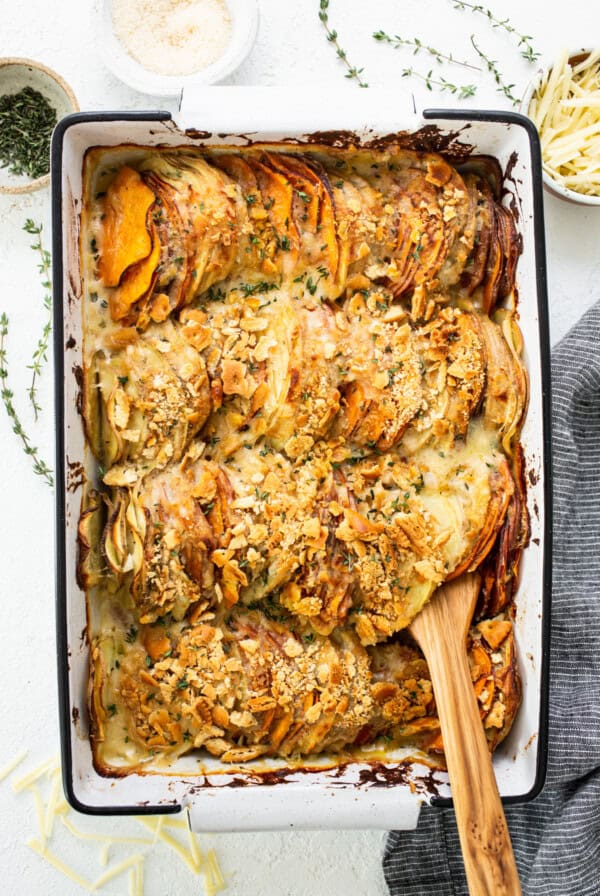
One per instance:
(26, 123)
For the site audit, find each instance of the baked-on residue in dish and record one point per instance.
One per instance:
(304, 390)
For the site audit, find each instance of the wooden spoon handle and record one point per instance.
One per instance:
(487, 851)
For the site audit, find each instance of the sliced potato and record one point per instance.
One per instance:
(126, 237)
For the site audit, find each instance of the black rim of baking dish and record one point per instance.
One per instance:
(64, 697)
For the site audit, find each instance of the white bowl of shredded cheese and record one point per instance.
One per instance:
(563, 101)
(161, 46)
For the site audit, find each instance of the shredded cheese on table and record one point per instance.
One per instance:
(566, 110)
(12, 765)
(43, 783)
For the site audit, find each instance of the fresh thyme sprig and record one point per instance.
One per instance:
(39, 466)
(461, 90)
(418, 46)
(332, 36)
(524, 40)
(40, 355)
(492, 67)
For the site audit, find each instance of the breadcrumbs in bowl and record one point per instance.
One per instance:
(564, 104)
(161, 46)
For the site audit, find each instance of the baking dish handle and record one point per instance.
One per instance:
(297, 110)
(297, 806)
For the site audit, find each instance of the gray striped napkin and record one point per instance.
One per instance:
(556, 837)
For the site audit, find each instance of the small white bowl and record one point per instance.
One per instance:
(15, 74)
(244, 21)
(549, 183)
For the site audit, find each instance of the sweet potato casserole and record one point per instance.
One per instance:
(304, 391)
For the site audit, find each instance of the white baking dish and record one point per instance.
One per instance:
(389, 792)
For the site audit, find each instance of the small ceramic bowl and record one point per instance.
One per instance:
(244, 20)
(552, 186)
(15, 74)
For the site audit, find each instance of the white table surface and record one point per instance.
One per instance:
(291, 47)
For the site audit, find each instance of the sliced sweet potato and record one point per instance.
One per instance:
(494, 265)
(459, 229)
(305, 186)
(126, 235)
(427, 247)
(506, 386)
(501, 491)
(484, 691)
(475, 268)
(500, 572)
(277, 197)
(155, 642)
(512, 244)
(175, 258)
(137, 281)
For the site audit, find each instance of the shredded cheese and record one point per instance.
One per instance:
(140, 879)
(51, 807)
(181, 851)
(216, 882)
(116, 870)
(49, 804)
(12, 765)
(39, 808)
(57, 863)
(172, 37)
(33, 775)
(566, 110)
(103, 838)
(194, 848)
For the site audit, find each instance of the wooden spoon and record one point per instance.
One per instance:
(441, 631)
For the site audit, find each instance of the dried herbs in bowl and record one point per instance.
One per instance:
(32, 100)
(26, 123)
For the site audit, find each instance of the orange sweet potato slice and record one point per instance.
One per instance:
(484, 691)
(126, 237)
(136, 282)
(502, 489)
(156, 643)
(277, 197)
(480, 663)
(305, 196)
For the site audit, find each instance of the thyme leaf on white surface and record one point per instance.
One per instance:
(40, 355)
(39, 466)
(418, 46)
(524, 40)
(462, 91)
(493, 69)
(353, 73)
